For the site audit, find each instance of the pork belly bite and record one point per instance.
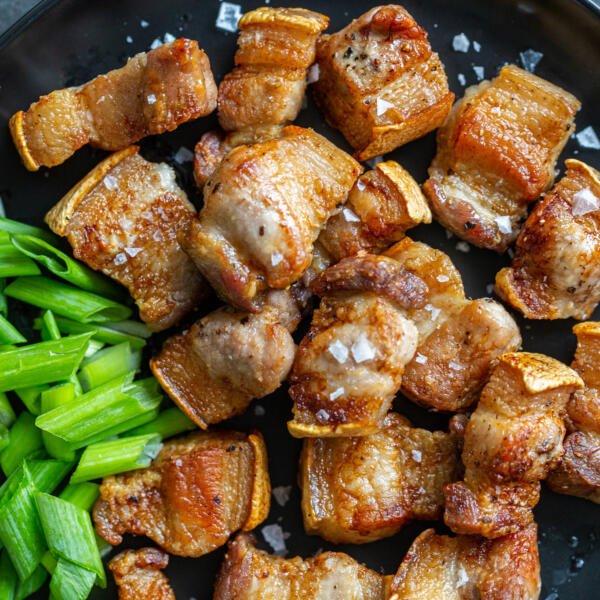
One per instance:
(349, 365)
(579, 471)
(460, 339)
(138, 574)
(123, 219)
(154, 92)
(276, 47)
(496, 154)
(457, 568)
(198, 491)
(248, 573)
(382, 205)
(555, 273)
(380, 83)
(361, 489)
(263, 209)
(512, 441)
(228, 358)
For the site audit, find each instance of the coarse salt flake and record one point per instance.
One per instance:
(587, 138)
(313, 74)
(504, 224)
(350, 215)
(151, 99)
(276, 258)
(362, 350)
(454, 366)
(462, 577)
(183, 155)
(489, 289)
(479, 72)
(274, 536)
(461, 43)
(337, 393)
(383, 106)
(417, 456)
(259, 410)
(156, 43)
(129, 39)
(463, 247)
(530, 59)
(282, 493)
(168, 38)
(360, 184)
(476, 46)
(111, 183)
(461, 79)
(584, 202)
(120, 258)
(443, 278)
(422, 360)
(373, 162)
(229, 16)
(132, 251)
(339, 351)
(322, 415)
(434, 310)
(144, 24)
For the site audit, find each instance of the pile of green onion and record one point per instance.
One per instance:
(82, 414)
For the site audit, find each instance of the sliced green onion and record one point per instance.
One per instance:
(168, 423)
(116, 456)
(66, 300)
(44, 362)
(18, 228)
(65, 267)
(8, 578)
(4, 437)
(108, 364)
(7, 414)
(25, 440)
(69, 533)
(93, 347)
(20, 528)
(3, 304)
(32, 584)
(15, 264)
(83, 495)
(51, 399)
(31, 397)
(123, 428)
(9, 334)
(71, 582)
(49, 328)
(134, 328)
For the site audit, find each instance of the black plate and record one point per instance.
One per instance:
(68, 42)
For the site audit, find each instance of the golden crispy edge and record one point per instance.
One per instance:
(309, 430)
(586, 170)
(540, 373)
(296, 18)
(587, 328)
(260, 501)
(58, 216)
(18, 135)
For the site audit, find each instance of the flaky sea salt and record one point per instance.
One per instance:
(462, 577)
(454, 366)
(337, 393)
(461, 79)
(156, 43)
(422, 360)
(281, 493)
(479, 72)
(504, 224)
(587, 138)
(120, 258)
(151, 99)
(476, 46)
(322, 415)
(276, 258)
(383, 106)
(229, 16)
(350, 215)
(360, 184)
(129, 39)
(339, 351)
(111, 183)
(183, 155)
(417, 456)
(443, 278)
(373, 162)
(461, 43)
(530, 59)
(169, 38)
(313, 74)
(259, 410)
(275, 537)
(362, 350)
(584, 202)
(434, 310)
(132, 251)
(489, 289)
(463, 246)
(144, 24)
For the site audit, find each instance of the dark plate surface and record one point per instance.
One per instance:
(68, 42)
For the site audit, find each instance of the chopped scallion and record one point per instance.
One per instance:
(25, 441)
(71, 582)
(32, 584)
(107, 364)
(15, 264)
(49, 329)
(8, 577)
(168, 423)
(18, 228)
(31, 397)
(7, 414)
(9, 334)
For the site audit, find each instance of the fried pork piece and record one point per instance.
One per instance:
(579, 471)
(248, 573)
(460, 339)
(228, 358)
(263, 209)
(138, 575)
(383, 204)
(496, 154)
(198, 491)
(154, 92)
(380, 83)
(349, 366)
(276, 48)
(512, 441)
(361, 489)
(555, 273)
(123, 219)
(441, 567)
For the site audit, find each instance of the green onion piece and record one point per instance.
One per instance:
(100, 411)
(131, 328)
(66, 300)
(69, 533)
(9, 334)
(108, 364)
(32, 584)
(51, 399)
(44, 362)
(7, 414)
(20, 528)
(83, 495)
(116, 456)
(3, 304)
(49, 562)
(31, 397)
(67, 268)
(168, 423)
(4, 437)
(25, 440)
(71, 582)
(15, 264)
(49, 328)
(18, 228)
(122, 428)
(8, 578)
(93, 347)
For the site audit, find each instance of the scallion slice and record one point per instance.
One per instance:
(83, 495)
(15, 264)
(32, 584)
(70, 581)
(7, 414)
(168, 423)
(8, 577)
(49, 327)
(31, 397)
(131, 328)
(108, 364)
(9, 334)
(25, 440)
(51, 399)
(18, 228)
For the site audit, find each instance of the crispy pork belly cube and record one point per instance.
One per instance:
(361, 489)
(123, 219)
(349, 365)
(441, 567)
(380, 83)
(154, 92)
(555, 273)
(197, 492)
(276, 48)
(138, 574)
(512, 441)
(263, 210)
(460, 339)
(383, 204)
(497, 153)
(248, 573)
(228, 358)
(579, 471)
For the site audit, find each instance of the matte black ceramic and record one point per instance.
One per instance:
(68, 42)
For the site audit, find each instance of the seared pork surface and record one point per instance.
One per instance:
(154, 92)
